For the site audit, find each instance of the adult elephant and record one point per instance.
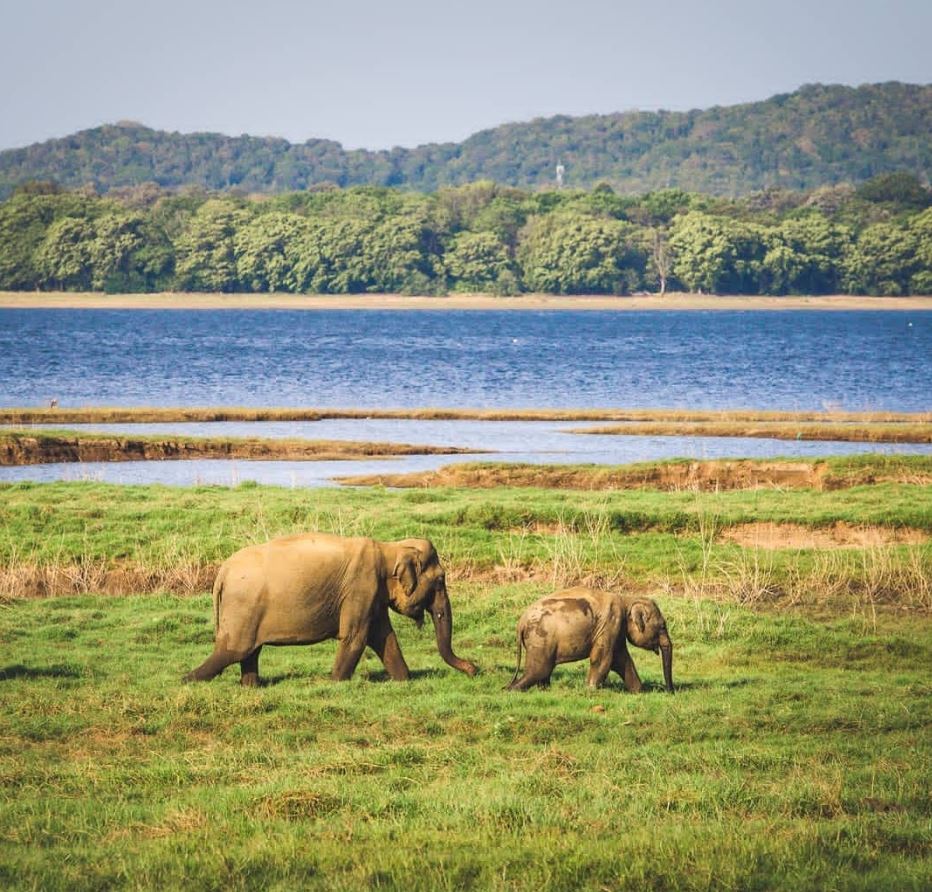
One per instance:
(314, 586)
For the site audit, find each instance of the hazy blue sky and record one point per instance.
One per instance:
(405, 72)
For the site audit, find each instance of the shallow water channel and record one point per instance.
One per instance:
(542, 442)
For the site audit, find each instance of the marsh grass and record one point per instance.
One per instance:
(670, 475)
(794, 756)
(825, 429)
(140, 414)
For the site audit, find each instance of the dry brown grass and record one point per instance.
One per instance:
(155, 414)
(183, 821)
(768, 535)
(571, 556)
(296, 805)
(860, 581)
(918, 430)
(28, 579)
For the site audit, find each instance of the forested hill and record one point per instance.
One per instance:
(818, 135)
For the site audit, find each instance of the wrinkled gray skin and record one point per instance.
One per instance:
(315, 586)
(576, 623)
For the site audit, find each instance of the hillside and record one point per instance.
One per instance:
(815, 136)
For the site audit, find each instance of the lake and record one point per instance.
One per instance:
(789, 360)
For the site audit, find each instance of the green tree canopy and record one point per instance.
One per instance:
(266, 250)
(565, 253)
(900, 188)
(805, 256)
(882, 261)
(63, 260)
(206, 260)
(921, 226)
(479, 261)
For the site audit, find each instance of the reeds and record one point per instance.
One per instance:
(147, 414)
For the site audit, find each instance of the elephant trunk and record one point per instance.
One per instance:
(443, 626)
(666, 654)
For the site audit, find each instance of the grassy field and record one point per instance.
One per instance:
(794, 755)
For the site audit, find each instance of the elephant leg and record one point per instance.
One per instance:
(249, 669)
(624, 666)
(600, 662)
(213, 665)
(383, 640)
(349, 650)
(537, 671)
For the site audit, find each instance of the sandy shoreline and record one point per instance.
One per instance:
(179, 301)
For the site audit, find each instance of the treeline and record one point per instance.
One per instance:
(875, 239)
(813, 136)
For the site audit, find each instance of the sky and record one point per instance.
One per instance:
(407, 72)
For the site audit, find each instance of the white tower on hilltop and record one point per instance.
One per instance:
(560, 170)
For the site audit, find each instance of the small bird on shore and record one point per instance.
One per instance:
(53, 404)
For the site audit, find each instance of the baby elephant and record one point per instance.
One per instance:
(582, 622)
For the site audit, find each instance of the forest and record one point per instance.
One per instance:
(875, 238)
(817, 135)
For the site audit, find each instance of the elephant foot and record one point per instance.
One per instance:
(528, 682)
(211, 667)
(249, 670)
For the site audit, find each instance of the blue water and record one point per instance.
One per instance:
(763, 360)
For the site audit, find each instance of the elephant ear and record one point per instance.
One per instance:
(639, 613)
(407, 569)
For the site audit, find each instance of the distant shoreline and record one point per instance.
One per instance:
(193, 301)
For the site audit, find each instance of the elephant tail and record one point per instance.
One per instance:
(520, 647)
(218, 594)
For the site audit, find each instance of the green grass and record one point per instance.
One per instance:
(106, 520)
(794, 755)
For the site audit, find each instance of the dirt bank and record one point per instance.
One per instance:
(18, 448)
(697, 475)
(179, 301)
